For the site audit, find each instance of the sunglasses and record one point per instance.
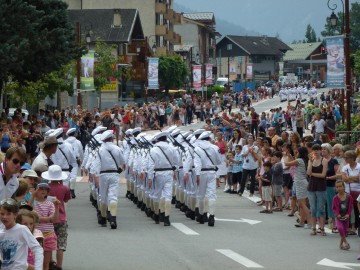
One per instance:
(7, 202)
(16, 161)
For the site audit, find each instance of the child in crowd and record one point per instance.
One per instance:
(266, 188)
(15, 239)
(30, 219)
(266, 156)
(49, 213)
(238, 162)
(342, 206)
(277, 179)
(63, 195)
(229, 165)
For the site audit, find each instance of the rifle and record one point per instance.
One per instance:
(188, 142)
(176, 143)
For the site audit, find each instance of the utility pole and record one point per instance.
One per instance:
(78, 65)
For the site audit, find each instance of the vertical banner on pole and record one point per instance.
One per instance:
(209, 74)
(196, 76)
(249, 71)
(335, 62)
(153, 74)
(87, 72)
(281, 68)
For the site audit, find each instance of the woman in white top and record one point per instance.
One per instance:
(350, 174)
(236, 140)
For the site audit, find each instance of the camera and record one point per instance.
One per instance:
(247, 161)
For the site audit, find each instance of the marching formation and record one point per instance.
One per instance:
(297, 92)
(168, 168)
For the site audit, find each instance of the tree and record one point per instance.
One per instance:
(357, 62)
(36, 39)
(30, 92)
(310, 35)
(172, 71)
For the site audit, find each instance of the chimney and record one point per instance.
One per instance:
(117, 18)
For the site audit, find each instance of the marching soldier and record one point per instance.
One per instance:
(206, 158)
(162, 165)
(42, 162)
(108, 165)
(65, 158)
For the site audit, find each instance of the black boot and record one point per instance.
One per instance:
(187, 213)
(127, 194)
(200, 219)
(183, 208)
(167, 221)
(131, 197)
(103, 222)
(99, 217)
(161, 217)
(206, 217)
(211, 221)
(139, 204)
(156, 219)
(72, 193)
(135, 201)
(192, 215)
(197, 211)
(143, 207)
(173, 200)
(178, 205)
(113, 222)
(91, 198)
(151, 214)
(108, 215)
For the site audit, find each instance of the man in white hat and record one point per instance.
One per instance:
(65, 158)
(163, 163)
(42, 162)
(207, 157)
(108, 165)
(126, 147)
(75, 144)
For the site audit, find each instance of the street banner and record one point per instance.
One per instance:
(232, 69)
(153, 73)
(87, 72)
(335, 62)
(281, 68)
(249, 71)
(209, 74)
(196, 76)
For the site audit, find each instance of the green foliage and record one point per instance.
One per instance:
(30, 92)
(215, 88)
(355, 121)
(104, 67)
(36, 39)
(356, 58)
(310, 35)
(172, 71)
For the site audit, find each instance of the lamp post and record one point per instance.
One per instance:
(228, 48)
(334, 21)
(78, 65)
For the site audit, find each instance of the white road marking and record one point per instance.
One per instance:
(242, 220)
(184, 229)
(341, 265)
(239, 259)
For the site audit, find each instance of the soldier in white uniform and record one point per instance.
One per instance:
(162, 165)
(43, 160)
(65, 158)
(109, 164)
(134, 163)
(206, 158)
(126, 149)
(77, 150)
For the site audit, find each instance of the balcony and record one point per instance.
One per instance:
(169, 36)
(177, 18)
(160, 8)
(161, 51)
(169, 15)
(177, 39)
(161, 30)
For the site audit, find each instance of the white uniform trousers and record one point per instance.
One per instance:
(207, 187)
(109, 187)
(163, 186)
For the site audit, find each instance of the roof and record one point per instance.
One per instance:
(259, 45)
(301, 51)
(100, 23)
(200, 16)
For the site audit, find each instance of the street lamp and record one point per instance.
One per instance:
(154, 48)
(333, 21)
(228, 48)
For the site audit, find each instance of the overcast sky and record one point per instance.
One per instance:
(288, 18)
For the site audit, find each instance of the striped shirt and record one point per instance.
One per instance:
(45, 209)
(238, 167)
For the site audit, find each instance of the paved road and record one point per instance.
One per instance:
(242, 238)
